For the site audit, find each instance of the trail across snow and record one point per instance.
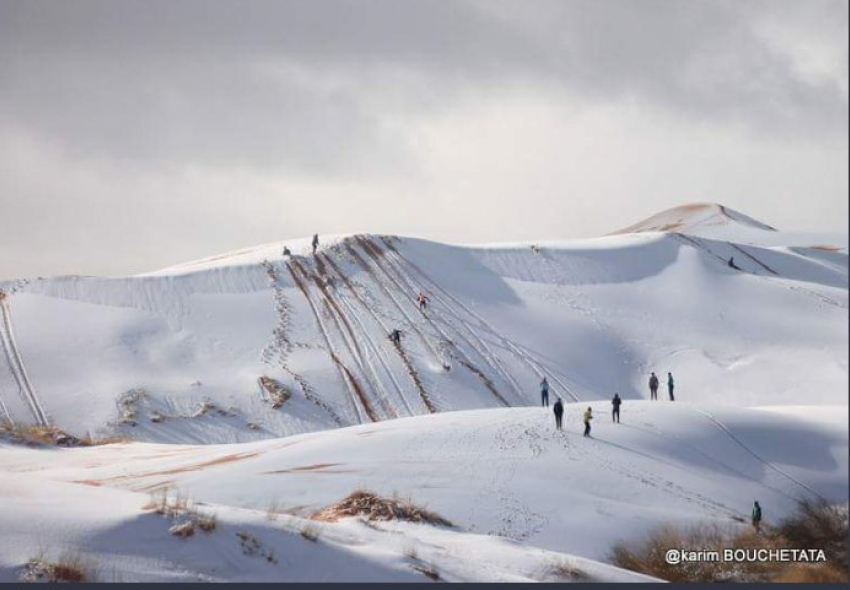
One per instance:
(448, 415)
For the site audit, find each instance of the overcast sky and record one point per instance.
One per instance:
(139, 134)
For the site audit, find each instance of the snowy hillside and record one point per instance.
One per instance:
(250, 345)
(522, 496)
(272, 391)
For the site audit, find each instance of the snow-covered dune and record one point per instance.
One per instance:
(523, 496)
(187, 346)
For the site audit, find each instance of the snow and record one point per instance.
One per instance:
(449, 418)
(521, 494)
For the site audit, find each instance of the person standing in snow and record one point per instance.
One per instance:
(670, 385)
(653, 387)
(757, 517)
(558, 408)
(588, 416)
(544, 392)
(615, 411)
(315, 243)
(423, 302)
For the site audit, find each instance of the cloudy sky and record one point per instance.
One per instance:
(138, 134)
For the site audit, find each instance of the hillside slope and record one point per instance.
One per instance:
(178, 355)
(522, 496)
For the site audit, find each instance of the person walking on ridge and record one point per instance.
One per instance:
(615, 411)
(588, 416)
(653, 387)
(558, 409)
(315, 243)
(423, 302)
(670, 385)
(544, 392)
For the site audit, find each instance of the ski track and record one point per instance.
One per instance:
(376, 255)
(380, 258)
(296, 271)
(783, 281)
(352, 344)
(367, 248)
(16, 365)
(534, 365)
(744, 446)
(753, 258)
(336, 275)
(681, 442)
(399, 350)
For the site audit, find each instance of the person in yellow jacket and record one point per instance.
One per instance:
(588, 416)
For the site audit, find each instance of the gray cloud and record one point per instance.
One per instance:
(340, 101)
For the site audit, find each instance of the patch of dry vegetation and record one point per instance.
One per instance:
(277, 392)
(179, 508)
(372, 507)
(816, 525)
(51, 436)
(71, 567)
(566, 572)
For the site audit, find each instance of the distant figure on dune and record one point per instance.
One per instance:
(395, 336)
(315, 243)
(731, 263)
(588, 416)
(653, 387)
(615, 410)
(558, 409)
(757, 517)
(544, 392)
(286, 252)
(670, 385)
(423, 302)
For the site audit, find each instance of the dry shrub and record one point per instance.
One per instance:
(184, 529)
(178, 507)
(818, 524)
(815, 525)
(277, 392)
(71, 567)
(429, 571)
(649, 555)
(821, 573)
(567, 572)
(373, 507)
(273, 511)
(310, 532)
(52, 436)
(205, 522)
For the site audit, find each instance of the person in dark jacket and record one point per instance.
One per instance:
(731, 263)
(653, 387)
(286, 252)
(615, 411)
(558, 409)
(315, 243)
(588, 416)
(395, 336)
(756, 517)
(544, 392)
(670, 385)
